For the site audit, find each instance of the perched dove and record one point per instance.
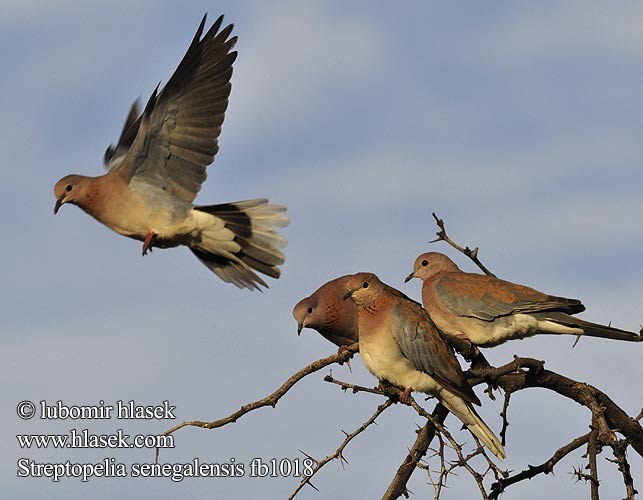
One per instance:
(158, 166)
(399, 343)
(488, 311)
(325, 311)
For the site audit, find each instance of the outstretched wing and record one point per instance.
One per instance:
(177, 136)
(488, 298)
(114, 155)
(422, 344)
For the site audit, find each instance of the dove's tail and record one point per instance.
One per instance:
(236, 238)
(470, 418)
(555, 322)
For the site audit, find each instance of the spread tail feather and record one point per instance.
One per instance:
(593, 329)
(242, 237)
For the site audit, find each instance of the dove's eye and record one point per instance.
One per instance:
(425, 263)
(365, 284)
(310, 310)
(69, 187)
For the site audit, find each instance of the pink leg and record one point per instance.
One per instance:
(147, 244)
(404, 397)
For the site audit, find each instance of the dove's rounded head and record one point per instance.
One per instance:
(363, 288)
(431, 263)
(325, 311)
(304, 312)
(69, 189)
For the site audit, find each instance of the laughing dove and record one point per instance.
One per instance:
(488, 311)
(325, 311)
(399, 344)
(159, 164)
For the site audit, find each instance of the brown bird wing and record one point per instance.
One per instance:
(422, 344)
(488, 298)
(177, 136)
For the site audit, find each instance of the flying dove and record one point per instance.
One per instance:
(325, 311)
(157, 168)
(488, 311)
(399, 344)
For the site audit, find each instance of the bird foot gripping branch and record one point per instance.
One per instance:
(404, 397)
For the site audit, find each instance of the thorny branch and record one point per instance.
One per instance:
(618, 448)
(505, 418)
(425, 435)
(462, 460)
(341, 356)
(607, 418)
(519, 374)
(338, 453)
(472, 254)
(523, 373)
(592, 452)
(533, 470)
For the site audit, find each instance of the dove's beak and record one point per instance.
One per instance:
(409, 277)
(348, 295)
(300, 327)
(59, 203)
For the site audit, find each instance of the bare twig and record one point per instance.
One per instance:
(545, 468)
(592, 451)
(338, 453)
(424, 437)
(618, 448)
(472, 254)
(462, 460)
(505, 418)
(273, 398)
(394, 392)
(345, 386)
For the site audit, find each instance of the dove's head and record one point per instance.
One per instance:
(326, 312)
(363, 289)
(306, 313)
(70, 189)
(429, 264)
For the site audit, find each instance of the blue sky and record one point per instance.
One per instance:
(518, 123)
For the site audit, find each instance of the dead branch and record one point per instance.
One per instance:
(513, 377)
(462, 461)
(271, 400)
(505, 418)
(545, 468)
(425, 435)
(619, 448)
(472, 254)
(338, 453)
(592, 452)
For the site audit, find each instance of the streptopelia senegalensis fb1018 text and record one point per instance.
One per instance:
(488, 311)
(326, 311)
(159, 164)
(399, 343)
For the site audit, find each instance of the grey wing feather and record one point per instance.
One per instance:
(177, 136)
(422, 345)
(114, 155)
